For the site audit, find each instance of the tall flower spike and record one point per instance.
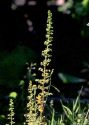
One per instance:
(49, 38)
(11, 112)
(31, 105)
(44, 82)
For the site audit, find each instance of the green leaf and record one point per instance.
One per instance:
(67, 112)
(77, 103)
(21, 83)
(66, 78)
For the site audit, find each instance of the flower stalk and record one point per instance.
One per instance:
(44, 82)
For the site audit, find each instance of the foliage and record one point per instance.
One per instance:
(78, 10)
(75, 116)
(12, 65)
(66, 78)
(38, 90)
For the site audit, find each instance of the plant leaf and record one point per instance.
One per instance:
(68, 112)
(66, 78)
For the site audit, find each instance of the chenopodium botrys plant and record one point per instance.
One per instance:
(32, 111)
(11, 112)
(38, 93)
(45, 81)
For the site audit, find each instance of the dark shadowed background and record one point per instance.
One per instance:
(22, 33)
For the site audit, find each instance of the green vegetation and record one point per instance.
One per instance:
(35, 112)
(12, 65)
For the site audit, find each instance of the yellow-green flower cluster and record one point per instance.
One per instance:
(44, 82)
(37, 94)
(31, 105)
(48, 43)
(11, 112)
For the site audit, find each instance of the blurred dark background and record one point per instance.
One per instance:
(22, 27)
(22, 33)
